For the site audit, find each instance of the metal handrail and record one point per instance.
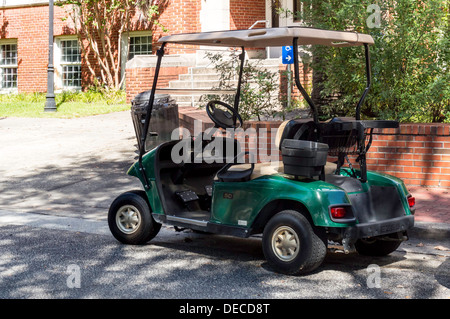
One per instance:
(257, 22)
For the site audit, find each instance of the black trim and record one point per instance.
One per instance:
(299, 85)
(385, 227)
(209, 227)
(224, 175)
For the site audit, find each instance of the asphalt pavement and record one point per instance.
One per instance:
(66, 167)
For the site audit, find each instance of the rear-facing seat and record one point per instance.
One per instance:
(286, 130)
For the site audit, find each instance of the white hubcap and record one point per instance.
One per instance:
(128, 219)
(285, 243)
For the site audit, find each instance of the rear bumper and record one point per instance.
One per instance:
(385, 227)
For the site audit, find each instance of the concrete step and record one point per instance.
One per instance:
(270, 62)
(192, 84)
(208, 78)
(199, 77)
(201, 70)
(187, 104)
(187, 98)
(196, 84)
(192, 104)
(193, 100)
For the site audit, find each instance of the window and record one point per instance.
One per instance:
(134, 43)
(140, 45)
(298, 9)
(8, 66)
(70, 63)
(67, 54)
(302, 10)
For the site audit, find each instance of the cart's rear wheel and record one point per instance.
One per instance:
(376, 247)
(130, 219)
(290, 244)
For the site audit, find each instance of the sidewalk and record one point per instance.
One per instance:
(432, 204)
(432, 217)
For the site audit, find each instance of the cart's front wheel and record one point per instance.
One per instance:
(130, 219)
(290, 244)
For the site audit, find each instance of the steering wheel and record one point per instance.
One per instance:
(223, 119)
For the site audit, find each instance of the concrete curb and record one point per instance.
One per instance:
(72, 224)
(427, 230)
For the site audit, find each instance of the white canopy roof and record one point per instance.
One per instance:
(258, 38)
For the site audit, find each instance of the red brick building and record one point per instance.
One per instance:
(24, 37)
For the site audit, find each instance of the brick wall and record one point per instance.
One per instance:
(180, 16)
(29, 26)
(243, 13)
(141, 79)
(419, 154)
(305, 73)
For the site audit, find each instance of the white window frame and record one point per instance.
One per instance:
(125, 43)
(284, 21)
(59, 64)
(9, 66)
(139, 35)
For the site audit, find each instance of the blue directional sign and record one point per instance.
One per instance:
(287, 56)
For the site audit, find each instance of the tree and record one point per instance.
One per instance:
(100, 25)
(410, 58)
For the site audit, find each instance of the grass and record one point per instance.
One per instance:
(69, 105)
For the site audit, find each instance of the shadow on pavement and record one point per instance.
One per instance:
(83, 189)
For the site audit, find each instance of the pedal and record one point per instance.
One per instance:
(187, 196)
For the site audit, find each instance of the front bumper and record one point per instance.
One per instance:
(385, 227)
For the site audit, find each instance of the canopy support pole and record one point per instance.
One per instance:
(238, 92)
(299, 85)
(368, 76)
(160, 54)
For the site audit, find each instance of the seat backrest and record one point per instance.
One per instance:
(288, 129)
(280, 133)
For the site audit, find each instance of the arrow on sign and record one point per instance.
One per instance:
(287, 55)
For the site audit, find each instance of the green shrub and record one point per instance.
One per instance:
(410, 59)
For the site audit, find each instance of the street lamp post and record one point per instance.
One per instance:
(50, 104)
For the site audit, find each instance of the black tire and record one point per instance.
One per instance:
(376, 247)
(130, 220)
(309, 249)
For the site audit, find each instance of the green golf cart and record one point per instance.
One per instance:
(300, 204)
